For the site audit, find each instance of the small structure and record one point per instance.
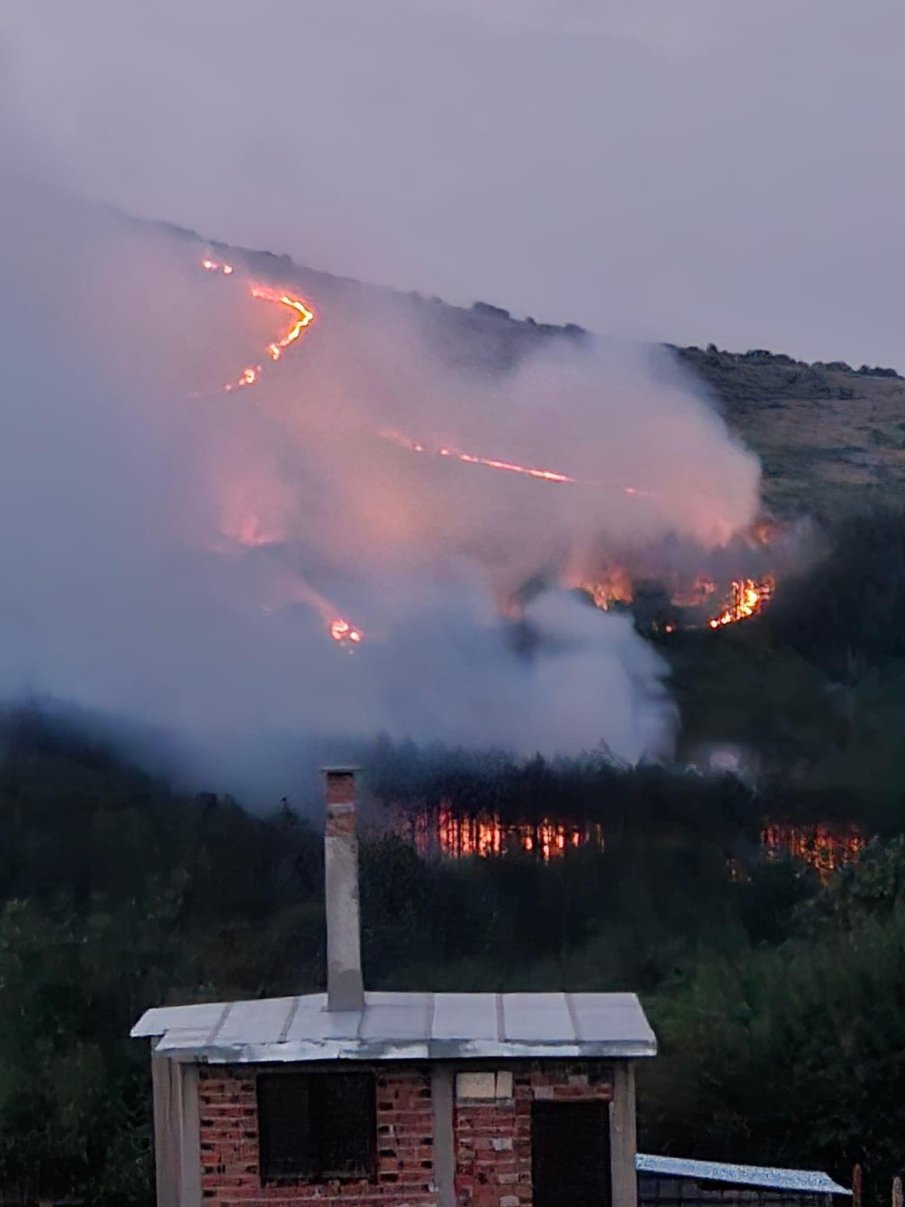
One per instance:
(671, 1181)
(391, 1099)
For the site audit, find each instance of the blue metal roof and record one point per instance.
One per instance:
(805, 1181)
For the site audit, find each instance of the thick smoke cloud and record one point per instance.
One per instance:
(173, 554)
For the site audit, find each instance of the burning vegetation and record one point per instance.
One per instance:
(247, 531)
(703, 602)
(747, 598)
(445, 831)
(454, 833)
(302, 317)
(824, 848)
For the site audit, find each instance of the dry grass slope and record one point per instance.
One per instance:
(832, 438)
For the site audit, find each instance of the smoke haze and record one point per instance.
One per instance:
(174, 554)
(687, 171)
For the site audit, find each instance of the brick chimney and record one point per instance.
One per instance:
(345, 989)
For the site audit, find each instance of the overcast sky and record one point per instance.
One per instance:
(689, 170)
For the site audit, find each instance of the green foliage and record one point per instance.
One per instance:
(796, 1051)
(779, 1002)
(117, 894)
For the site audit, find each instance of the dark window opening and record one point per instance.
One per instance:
(570, 1154)
(316, 1126)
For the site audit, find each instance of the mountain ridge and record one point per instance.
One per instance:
(831, 438)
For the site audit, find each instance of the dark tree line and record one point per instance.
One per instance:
(779, 1001)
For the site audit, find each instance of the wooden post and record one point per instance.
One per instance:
(856, 1186)
(622, 1136)
(177, 1142)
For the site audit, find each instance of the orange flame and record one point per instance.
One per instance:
(248, 532)
(511, 467)
(823, 847)
(302, 318)
(447, 832)
(612, 588)
(748, 597)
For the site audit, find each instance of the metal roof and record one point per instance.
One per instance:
(403, 1026)
(805, 1181)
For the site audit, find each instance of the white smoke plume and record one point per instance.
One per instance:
(173, 554)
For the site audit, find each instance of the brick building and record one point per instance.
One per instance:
(362, 1099)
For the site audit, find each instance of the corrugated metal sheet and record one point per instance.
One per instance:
(404, 1026)
(805, 1181)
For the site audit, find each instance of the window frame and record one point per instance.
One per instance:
(310, 1167)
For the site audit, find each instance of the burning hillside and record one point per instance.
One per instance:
(705, 602)
(344, 480)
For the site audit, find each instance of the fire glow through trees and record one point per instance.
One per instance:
(746, 597)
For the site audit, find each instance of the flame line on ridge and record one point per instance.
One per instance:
(748, 597)
(512, 467)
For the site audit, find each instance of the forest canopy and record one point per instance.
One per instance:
(776, 993)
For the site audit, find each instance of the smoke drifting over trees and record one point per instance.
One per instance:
(174, 552)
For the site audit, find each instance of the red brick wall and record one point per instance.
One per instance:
(493, 1139)
(229, 1146)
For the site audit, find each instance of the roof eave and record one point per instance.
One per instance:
(309, 1051)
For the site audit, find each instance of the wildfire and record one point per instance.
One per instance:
(302, 318)
(823, 848)
(746, 598)
(749, 596)
(248, 532)
(510, 467)
(614, 588)
(446, 832)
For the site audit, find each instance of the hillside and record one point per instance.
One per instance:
(775, 987)
(831, 437)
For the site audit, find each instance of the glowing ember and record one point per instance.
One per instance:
(748, 597)
(216, 266)
(345, 634)
(302, 318)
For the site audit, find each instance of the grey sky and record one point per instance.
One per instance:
(692, 170)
